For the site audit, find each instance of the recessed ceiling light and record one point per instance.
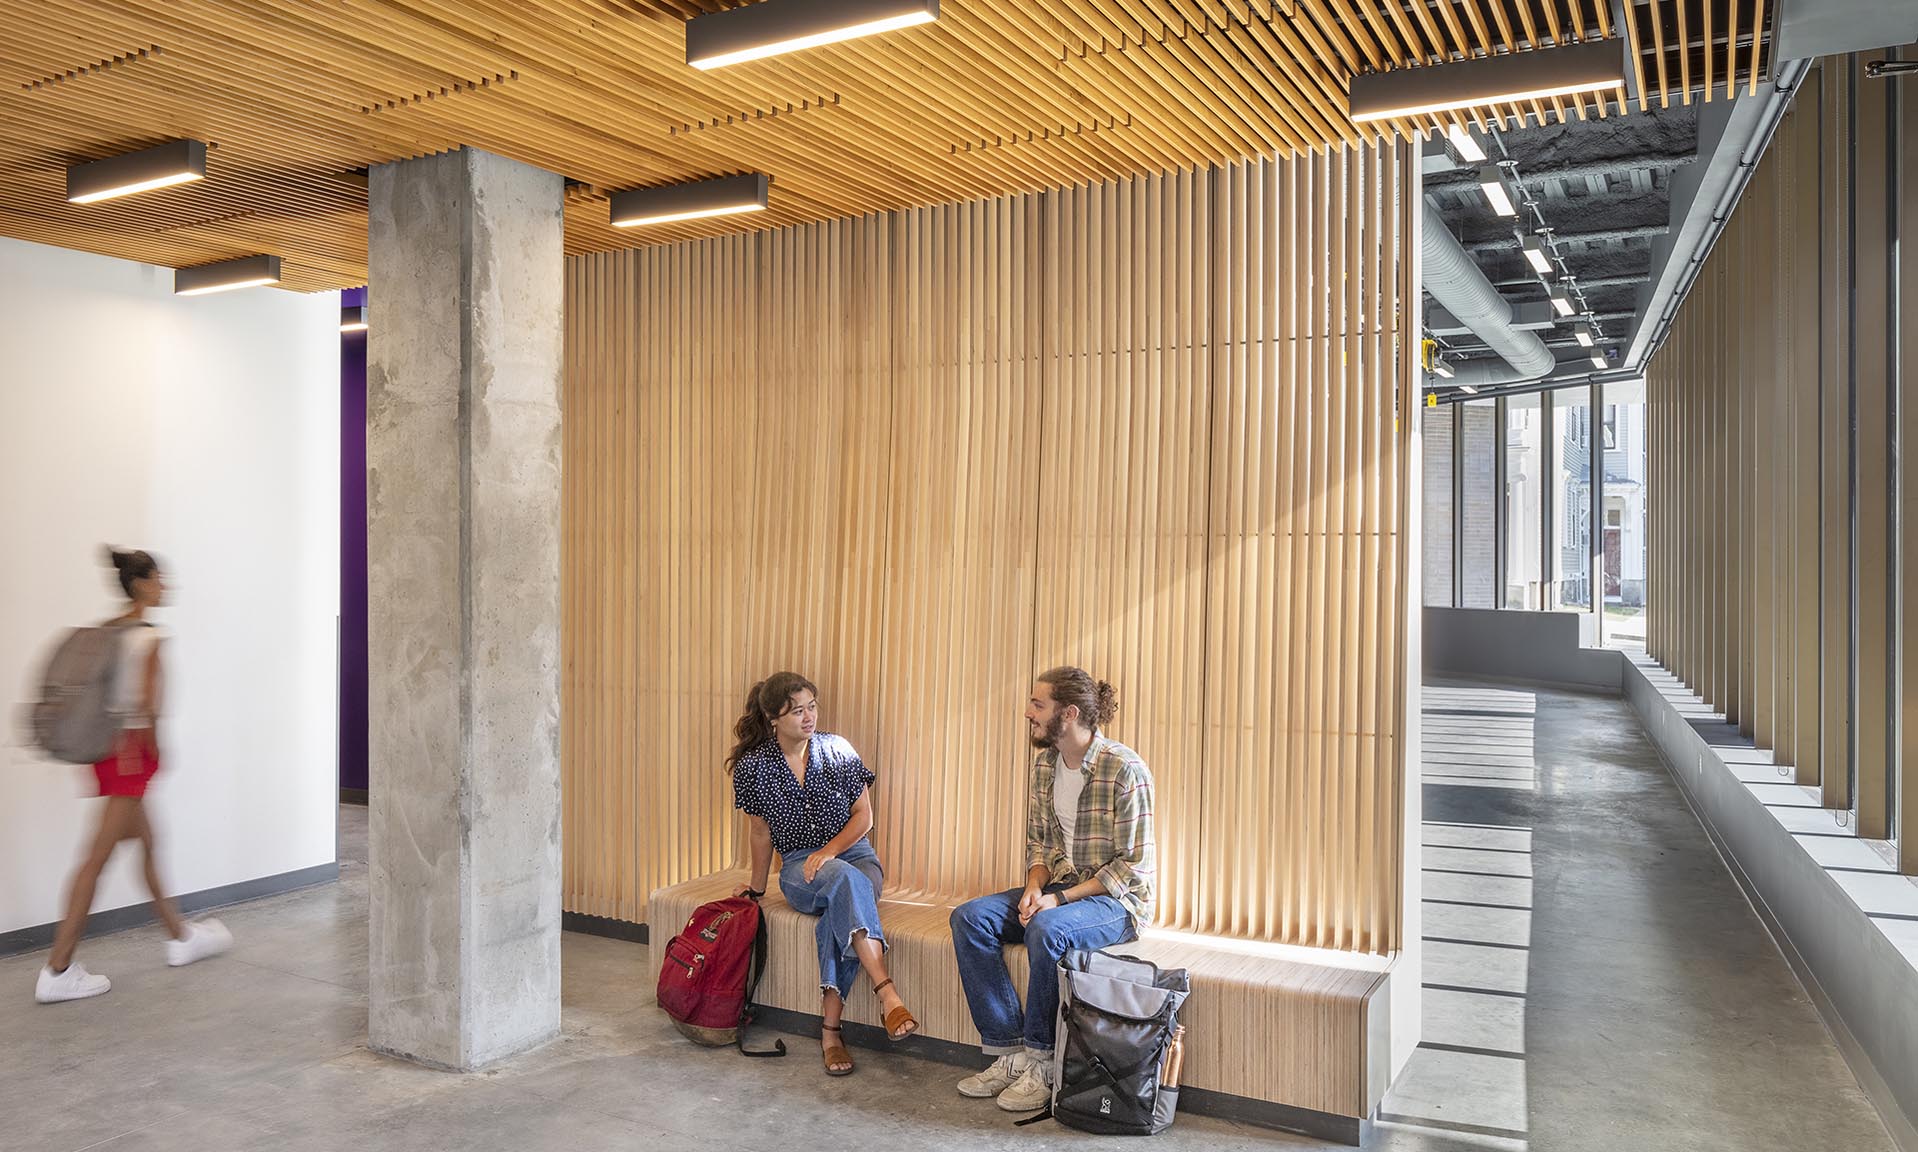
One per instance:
(693, 200)
(1498, 191)
(1465, 143)
(246, 272)
(175, 162)
(1512, 78)
(775, 27)
(1534, 250)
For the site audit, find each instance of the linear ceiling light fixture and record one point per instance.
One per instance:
(774, 27)
(353, 319)
(1465, 144)
(1594, 66)
(694, 200)
(1598, 359)
(1561, 302)
(1535, 253)
(1497, 189)
(1441, 368)
(1582, 332)
(246, 272)
(175, 162)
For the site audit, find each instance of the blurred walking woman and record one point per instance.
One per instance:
(806, 795)
(138, 692)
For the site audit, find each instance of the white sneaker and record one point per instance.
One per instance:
(203, 938)
(995, 1079)
(76, 983)
(1031, 1091)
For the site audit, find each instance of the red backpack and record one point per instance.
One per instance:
(711, 971)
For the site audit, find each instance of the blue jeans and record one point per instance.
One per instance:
(845, 897)
(980, 930)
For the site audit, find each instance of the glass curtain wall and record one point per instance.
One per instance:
(1513, 518)
(1571, 497)
(1438, 522)
(1524, 501)
(1478, 514)
(1626, 526)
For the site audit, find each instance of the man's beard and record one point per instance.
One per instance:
(1049, 737)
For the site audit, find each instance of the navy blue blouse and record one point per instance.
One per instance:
(802, 820)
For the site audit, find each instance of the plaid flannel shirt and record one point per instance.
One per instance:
(1113, 840)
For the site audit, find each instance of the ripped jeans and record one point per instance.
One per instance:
(845, 897)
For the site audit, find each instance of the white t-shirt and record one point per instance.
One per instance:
(1067, 784)
(130, 684)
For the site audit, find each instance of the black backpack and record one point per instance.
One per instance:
(1116, 1070)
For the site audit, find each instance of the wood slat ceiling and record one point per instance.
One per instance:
(296, 99)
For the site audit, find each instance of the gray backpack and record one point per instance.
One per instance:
(1121, 1047)
(73, 719)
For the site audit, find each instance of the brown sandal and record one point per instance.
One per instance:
(836, 1054)
(899, 1022)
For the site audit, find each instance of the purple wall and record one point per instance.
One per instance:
(353, 711)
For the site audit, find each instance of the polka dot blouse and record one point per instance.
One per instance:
(802, 819)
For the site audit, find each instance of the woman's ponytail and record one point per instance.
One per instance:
(765, 701)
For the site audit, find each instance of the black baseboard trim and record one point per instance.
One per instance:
(353, 796)
(139, 915)
(604, 926)
(1350, 1130)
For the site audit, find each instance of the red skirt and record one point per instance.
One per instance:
(145, 762)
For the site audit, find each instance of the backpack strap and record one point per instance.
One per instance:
(754, 971)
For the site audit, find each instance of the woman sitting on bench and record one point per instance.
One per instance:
(805, 794)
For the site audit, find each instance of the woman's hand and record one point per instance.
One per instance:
(816, 861)
(749, 890)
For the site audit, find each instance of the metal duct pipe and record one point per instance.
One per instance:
(1455, 281)
(1489, 373)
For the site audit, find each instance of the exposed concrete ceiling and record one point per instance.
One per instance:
(1635, 203)
(1601, 191)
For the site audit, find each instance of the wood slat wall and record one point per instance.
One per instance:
(1779, 566)
(1152, 426)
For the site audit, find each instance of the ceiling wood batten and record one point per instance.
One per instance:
(998, 97)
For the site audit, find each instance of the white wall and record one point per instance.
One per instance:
(206, 430)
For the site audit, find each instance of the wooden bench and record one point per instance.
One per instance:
(1291, 1037)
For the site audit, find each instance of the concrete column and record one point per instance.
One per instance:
(463, 514)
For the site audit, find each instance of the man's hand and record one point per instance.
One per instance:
(1035, 902)
(743, 889)
(815, 862)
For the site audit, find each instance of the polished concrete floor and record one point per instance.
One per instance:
(1594, 981)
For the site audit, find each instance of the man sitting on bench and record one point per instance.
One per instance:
(1089, 883)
